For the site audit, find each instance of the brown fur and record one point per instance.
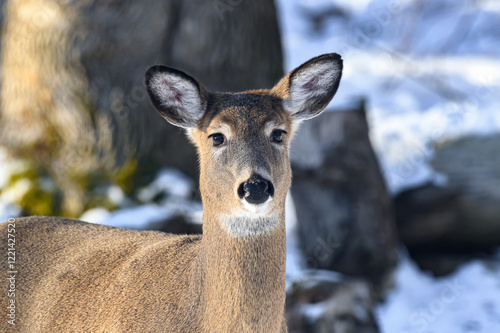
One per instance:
(74, 276)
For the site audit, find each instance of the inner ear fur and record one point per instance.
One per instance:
(308, 89)
(178, 97)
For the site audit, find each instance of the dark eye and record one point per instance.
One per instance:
(217, 139)
(277, 135)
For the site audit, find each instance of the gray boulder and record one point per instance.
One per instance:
(325, 302)
(472, 166)
(444, 226)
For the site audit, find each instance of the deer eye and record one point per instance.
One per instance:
(217, 139)
(277, 135)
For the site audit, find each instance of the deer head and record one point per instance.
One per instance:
(243, 138)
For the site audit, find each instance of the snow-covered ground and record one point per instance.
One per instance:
(465, 301)
(176, 189)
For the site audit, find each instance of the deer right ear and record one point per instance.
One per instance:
(307, 90)
(178, 97)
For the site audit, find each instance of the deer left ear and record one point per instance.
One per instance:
(309, 88)
(178, 97)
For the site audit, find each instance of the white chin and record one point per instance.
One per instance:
(251, 220)
(260, 210)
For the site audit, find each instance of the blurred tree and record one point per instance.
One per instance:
(73, 105)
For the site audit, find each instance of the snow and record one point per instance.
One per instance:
(465, 301)
(8, 211)
(17, 190)
(141, 217)
(116, 195)
(313, 311)
(170, 182)
(294, 259)
(8, 167)
(95, 215)
(173, 184)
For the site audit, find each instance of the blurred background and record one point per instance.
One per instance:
(393, 222)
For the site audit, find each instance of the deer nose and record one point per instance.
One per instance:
(256, 190)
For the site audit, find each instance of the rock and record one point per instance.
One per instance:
(466, 210)
(344, 212)
(325, 302)
(447, 225)
(426, 213)
(472, 166)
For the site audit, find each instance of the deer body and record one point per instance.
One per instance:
(74, 276)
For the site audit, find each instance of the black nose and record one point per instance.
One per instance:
(256, 190)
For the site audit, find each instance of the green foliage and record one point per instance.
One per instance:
(27, 189)
(39, 202)
(124, 177)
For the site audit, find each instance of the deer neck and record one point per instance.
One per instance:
(243, 277)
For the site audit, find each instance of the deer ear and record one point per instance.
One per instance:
(179, 98)
(309, 88)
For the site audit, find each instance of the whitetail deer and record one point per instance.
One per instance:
(74, 276)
